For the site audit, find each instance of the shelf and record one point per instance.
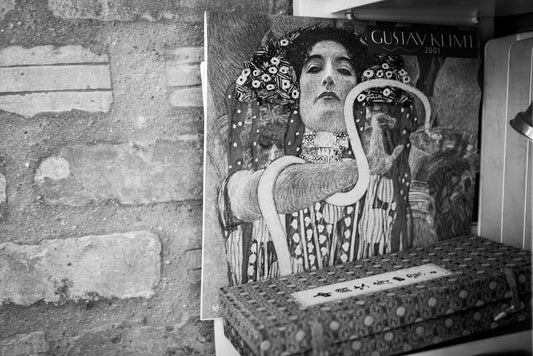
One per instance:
(444, 12)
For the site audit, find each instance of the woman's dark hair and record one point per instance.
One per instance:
(299, 51)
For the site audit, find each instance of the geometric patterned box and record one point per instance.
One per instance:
(383, 305)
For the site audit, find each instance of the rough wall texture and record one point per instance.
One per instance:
(101, 175)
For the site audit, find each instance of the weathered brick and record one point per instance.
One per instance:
(106, 10)
(193, 261)
(79, 9)
(39, 55)
(122, 265)
(193, 258)
(54, 79)
(186, 97)
(179, 75)
(41, 78)
(34, 103)
(24, 344)
(134, 173)
(184, 55)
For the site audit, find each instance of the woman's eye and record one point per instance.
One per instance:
(345, 71)
(313, 69)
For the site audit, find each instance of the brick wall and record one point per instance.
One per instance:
(101, 175)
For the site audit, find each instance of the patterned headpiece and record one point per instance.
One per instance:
(263, 99)
(268, 77)
(388, 67)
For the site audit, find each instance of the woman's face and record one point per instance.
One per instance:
(326, 79)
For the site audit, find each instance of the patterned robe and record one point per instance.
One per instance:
(321, 234)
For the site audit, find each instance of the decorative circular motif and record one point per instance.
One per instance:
(334, 325)
(265, 345)
(432, 302)
(300, 335)
(389, 336)
(356, 345)
(400, 311)
(369, 320)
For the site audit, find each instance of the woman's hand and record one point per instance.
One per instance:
(378, 160)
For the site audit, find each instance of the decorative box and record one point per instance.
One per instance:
(383, 305)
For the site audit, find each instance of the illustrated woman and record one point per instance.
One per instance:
(292, 199)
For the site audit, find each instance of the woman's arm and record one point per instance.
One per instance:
(298, 186)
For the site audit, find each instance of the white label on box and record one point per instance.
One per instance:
(370, 284)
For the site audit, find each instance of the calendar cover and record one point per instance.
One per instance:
(329, 141)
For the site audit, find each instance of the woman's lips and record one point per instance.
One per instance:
(327, 95)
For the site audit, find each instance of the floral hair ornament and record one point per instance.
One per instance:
(267, 81)
(268, 77)
(391, 68)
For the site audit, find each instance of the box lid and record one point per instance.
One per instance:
(269, 318)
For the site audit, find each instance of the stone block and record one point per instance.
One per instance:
(179, 75)
(54, 79)
(184, 55)
(24, 344)
(46, 55)
(193, 259)
(122, 265)
(78, 9)
(45, 78)
(33, 103)
(186, 97)
(133, 173)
